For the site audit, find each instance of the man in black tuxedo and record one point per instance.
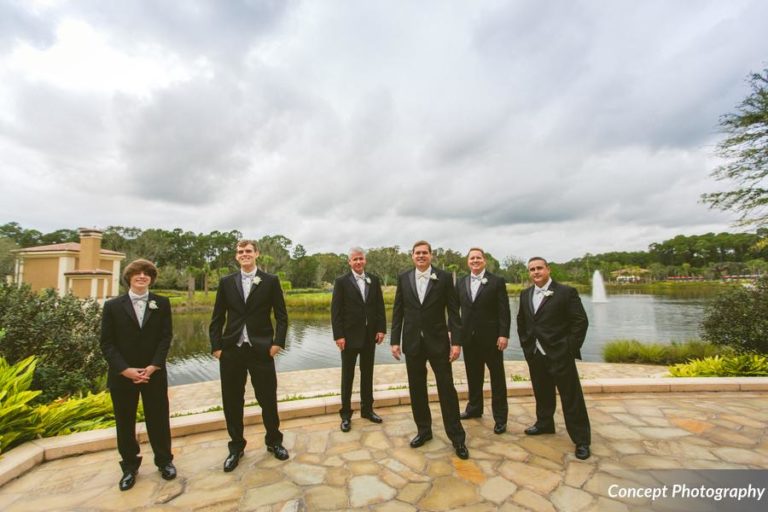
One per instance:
(485, 322)
(244, 341)
(552, 325)
(136, 332)
(359, 324)
(422, 299)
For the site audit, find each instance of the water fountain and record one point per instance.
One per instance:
(598, 288)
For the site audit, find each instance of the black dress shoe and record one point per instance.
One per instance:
(466, 415)
(346, 425)
(168, 472)
(499, 428)
(536, 430)
(372, 416)
(420, 439)
(461, 451)
(128, 480)
(232, 461)
(279, 451)
(582, 451)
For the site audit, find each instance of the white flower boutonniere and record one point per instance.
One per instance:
(152, 304)
(548, 293)
(256, 281)
(484, 280)
(367, 279)
(433, 276)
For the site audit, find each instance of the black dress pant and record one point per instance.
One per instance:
(348, 361)
(546, 375)
(476, 357)
(416, 365)
(125, 401)
(235, 364)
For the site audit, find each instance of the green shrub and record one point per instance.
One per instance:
(633, 351)
(21, 421)
(738, 318)
(18, 420)
(62, 332)
(745, 365)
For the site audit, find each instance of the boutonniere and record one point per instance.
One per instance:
(367, 279)
(548, 293)
(152, 304)
(256, 281)
(433, 276)
(484, 280)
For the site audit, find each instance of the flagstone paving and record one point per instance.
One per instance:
(373, 468)
(310, 383)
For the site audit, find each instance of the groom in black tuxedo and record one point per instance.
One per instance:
(485, 322)
(552, 325)
(136, 332)
(359, 324)
(245, 342)
(423, 297)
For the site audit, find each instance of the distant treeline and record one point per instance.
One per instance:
(184, 257)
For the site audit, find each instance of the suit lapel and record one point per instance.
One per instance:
(239, 284)
(147, 310)
(430, 284)
(544, 299)
(412, 279)
(128, 307)
(482, 285)
(353, 281)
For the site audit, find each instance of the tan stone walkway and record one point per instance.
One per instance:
(373, 468)
(311, 383)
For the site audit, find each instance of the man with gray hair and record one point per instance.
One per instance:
(359, 324)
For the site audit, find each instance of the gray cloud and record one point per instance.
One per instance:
(557, 127)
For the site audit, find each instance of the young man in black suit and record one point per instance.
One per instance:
(552, 325)
(136, 332)
(485, 322)
(359, 324)
(244, 341)
(423, 297)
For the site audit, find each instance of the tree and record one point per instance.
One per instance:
(745, 150)
(738, 318)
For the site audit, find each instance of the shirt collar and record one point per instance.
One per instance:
(248, 275)
(478, 276)
(546, 285)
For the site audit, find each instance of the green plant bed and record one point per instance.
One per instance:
(746, 365)
(21, 421)
(633, 351)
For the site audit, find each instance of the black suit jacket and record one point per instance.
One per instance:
(354, 319)
(231, 312)
(125, 344)
(560, 324)
(412, 320)
(488, 317)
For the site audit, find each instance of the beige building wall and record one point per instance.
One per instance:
(66, 264)
(81, 287)
(41, 273)
(114, 285)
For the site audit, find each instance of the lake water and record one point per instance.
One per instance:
(648, 318)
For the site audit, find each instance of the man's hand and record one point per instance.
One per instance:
(502, 342)
(149, 370)
(217, 354)
(379, 337)
(341, 343)
(455, 352)
(274, 349)
(136, 375)
(395, 351)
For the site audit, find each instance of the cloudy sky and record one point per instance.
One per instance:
(526, 127)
